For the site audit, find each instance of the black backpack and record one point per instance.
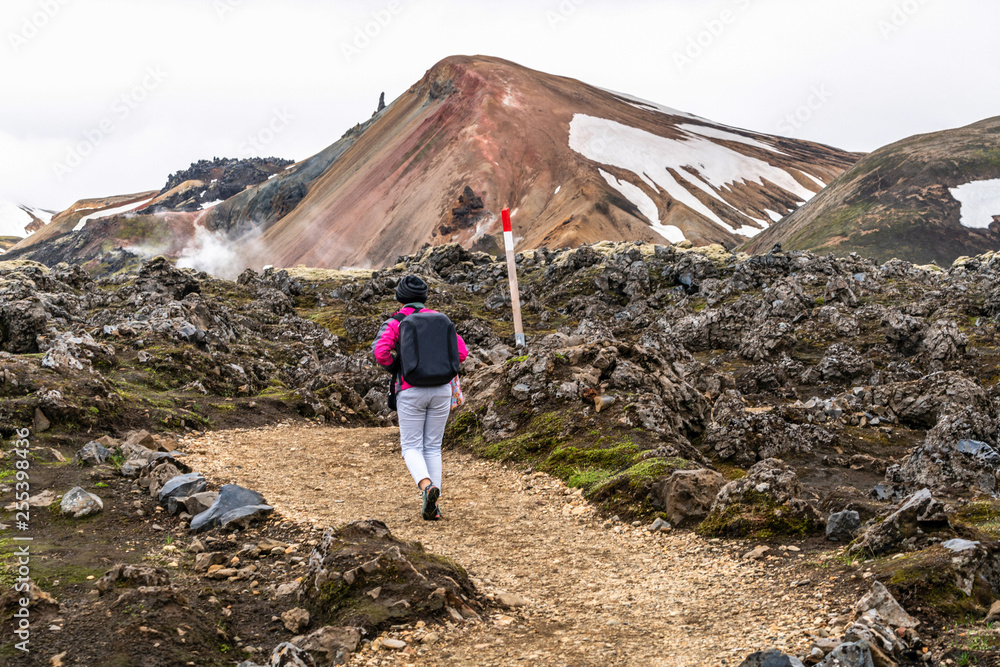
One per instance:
(428, 349)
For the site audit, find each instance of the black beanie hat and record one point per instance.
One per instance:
(411, 289)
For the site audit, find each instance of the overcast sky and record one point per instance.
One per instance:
(105, 97)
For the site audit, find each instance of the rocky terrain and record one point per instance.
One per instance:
(213, 181)
(927, 198)
(761, 405)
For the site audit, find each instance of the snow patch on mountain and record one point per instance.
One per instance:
(646, 206)
(108, 212)
(980, 202)
(701, 162)
(14, 218)
(718, 133)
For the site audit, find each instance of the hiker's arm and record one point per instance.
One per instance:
(463, 351)
(386, 343)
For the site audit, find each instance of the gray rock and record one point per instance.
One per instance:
(93, 453)
(287, 654)
(331, 645)
(919, 512)
(199, 502)
(773, 479)
(882, 601)
(295, 620)
(230, 499)
(843, 526)
(241, 517)
(956, 454)
(207, 559)
(182, 486)
(688, 494)
(849, 654)
(133, 576)
(979, 451)
(659, 526)
(771, 658)
(80, 503)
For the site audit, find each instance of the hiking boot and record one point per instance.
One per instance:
(431, 494)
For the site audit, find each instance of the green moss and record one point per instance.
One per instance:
(927, 579)
(582, 479)
(730, 472)
(981, 516)
(227, 407)
(565, 460)
(758, 517)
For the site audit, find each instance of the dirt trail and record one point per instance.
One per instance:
(598, 593)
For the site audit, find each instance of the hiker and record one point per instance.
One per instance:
(423, 391)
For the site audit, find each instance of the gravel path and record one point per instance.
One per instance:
(597, 593)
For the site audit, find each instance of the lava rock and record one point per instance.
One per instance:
(843, 526)
(882, 601)
(771, 658)
(182, 486)
(233, 504)
(93, 453)
(80, 503)
(920, 512)
(849, 654)
(132, 576)
(688, 494)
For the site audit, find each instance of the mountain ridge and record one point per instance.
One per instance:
(903, 201)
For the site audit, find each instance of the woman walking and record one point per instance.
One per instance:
(422, 410)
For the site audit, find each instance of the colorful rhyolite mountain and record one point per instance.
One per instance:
(574, 163)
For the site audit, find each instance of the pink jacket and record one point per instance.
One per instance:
(388, 337)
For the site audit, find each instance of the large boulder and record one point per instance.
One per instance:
(842, 526)
(918, 514)
(747, 436)
(688, 494)
(921, 403)
(957, 456)
(395, 580)
(943, 343)
(766, 502)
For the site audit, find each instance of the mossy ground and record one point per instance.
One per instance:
(759, 517)
(613, 465)
(925, 582)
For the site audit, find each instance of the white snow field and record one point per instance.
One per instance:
(646, 206)
(14, 217)
(697, 159)
(109, 212)
(980, 201)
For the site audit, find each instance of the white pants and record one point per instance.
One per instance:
(423, 413)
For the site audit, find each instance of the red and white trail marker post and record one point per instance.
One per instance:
(515, 295)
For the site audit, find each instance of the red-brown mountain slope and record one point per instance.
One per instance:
(575, 163)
